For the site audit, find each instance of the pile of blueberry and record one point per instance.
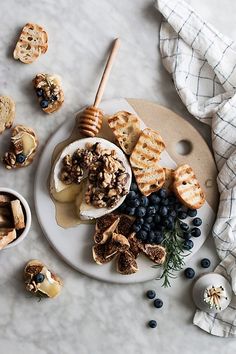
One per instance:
(159, 213)
(44, 102)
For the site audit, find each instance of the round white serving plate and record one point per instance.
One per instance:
(74, 244)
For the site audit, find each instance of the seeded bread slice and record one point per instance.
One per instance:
(7, 112)
(6, 236)
(187, 187)
(33, 41)
(126, 128)
(148, 149)
(149, 179)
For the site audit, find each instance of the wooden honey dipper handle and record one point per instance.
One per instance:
(106, 72)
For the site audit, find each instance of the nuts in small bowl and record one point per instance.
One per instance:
(15, 218)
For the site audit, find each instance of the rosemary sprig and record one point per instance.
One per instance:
(174, 255)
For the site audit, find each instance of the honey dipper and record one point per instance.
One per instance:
(90, 120)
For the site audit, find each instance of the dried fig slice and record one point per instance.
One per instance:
(99, 254)
(125, 224)
(117, 243)
(126, 263)
(105, 226)
(135, 244)
(156, 253)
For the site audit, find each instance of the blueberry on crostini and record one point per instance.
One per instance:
(44, 103)
(192, 212)
(189, 273)
(205, 263)
(39, 92)
(39, 278)
(152, 324)
(151, 294)
(158, 303)
(197, 222)
(20, 158)
(188, 245)
(195, 232)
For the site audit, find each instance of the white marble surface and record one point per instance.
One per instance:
(90, 316)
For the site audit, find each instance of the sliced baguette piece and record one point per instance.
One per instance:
(148, 149)
(187, 188)
(6, 236)
(4, 199)
(126, 128)
(33, 41)
(169, 179)
(149, 179)
(18, 215)
(7, 112)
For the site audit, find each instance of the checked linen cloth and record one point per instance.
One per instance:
(202, 63)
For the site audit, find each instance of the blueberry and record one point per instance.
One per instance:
(151, 237)
(20, 158)
(182, 215)
(158, 303)
(173, 213)
(131, 195)
(39, 278)
(153, 226)
(151, 294)
(139, 221)
(144, 201)
(146, 227)
(187, 235)
(152, 324)
(197, 222)
(53, 98)
(159, 237)
(130, 211)
(142, 235)
(205, 263)
(157, 219)
(140, 211)
(195, 232)
(163, 211)
(165, 202)
(192, 212)
(178, 206)
(189, 273)
(172, 200)
(188, 244)
(39, 92)
(154, 199)
(134, 187)
(184, 226)
(134, 203)
(162, 193)
(122, 208)
(149, 219)
(44, 103)
(151, 210)
(136, 227)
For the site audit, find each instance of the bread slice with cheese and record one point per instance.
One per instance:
(148, 149)
(126, 128)
(33, 41)
(7, 112)
(187, 187)
(149, 179)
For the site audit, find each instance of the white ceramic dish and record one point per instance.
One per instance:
(27, 216)
(74, 244)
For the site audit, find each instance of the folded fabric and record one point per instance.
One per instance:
(202, 63)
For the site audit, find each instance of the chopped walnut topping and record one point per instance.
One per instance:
(106, 174)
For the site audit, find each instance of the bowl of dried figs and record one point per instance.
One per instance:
(15, 218)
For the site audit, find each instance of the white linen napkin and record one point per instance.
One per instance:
(203, 65)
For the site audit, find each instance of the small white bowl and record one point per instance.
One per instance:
(27, 212)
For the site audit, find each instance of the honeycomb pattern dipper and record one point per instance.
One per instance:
(90, 120)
